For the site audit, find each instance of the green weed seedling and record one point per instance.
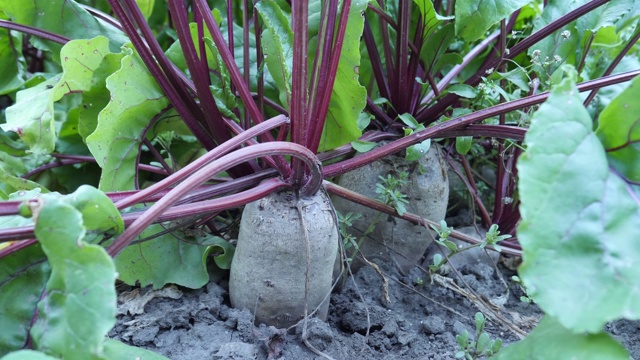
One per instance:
(388, 191)
(344, 222)
(525, 298)
(492, 239)
(483, 345)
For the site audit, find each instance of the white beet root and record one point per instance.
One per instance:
(270, 263)
(394, 239)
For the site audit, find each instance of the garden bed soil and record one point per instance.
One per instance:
(420, 321)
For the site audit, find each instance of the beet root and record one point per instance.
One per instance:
(269, 268)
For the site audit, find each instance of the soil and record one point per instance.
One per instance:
(420, 320)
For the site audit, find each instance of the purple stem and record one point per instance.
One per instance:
(630, 45)
(236, 78)
(220, 150)
(415, 219)
(223, 163)
(299, 95)
(376, 62)
(184, 104)
(320, 112)
(199, 69)
(457, 123)
(34, 31)
(434, 111)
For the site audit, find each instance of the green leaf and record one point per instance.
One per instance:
(32, 116)
(579, 222)
(549, 340)
(12, 62)
(409, 120)
(363, 146)
(277, 45)
(164, 258)
(146, 7)
(135, 99)
(99, 213)
(116, 350)
(480, 321)
(79, 305)
(97, 96)
(483, 342)
(23, 276)
(221, 89)
(463, 339)
(223, 250)
(28, 355)
(431, 19)
(463, 90)
(63, 17)
(437, 259)
(436, 46)
(364, 120)
(475, 17)
(517, 77)
(463, 144)
(348, 97)
(11, 183)
(450, 245)
(619, 131)
(565, 46)
(417, 151)
(605, 16)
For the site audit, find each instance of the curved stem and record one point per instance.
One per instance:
(199, 177)
(210, 156)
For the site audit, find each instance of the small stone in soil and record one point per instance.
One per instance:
(433, 325)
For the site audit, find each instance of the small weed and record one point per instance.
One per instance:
(492, 239)
(525, 298)
(346, 221)
(389, 191)
(483, 345)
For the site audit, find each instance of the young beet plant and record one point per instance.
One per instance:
(189, 112)
(126, 98)
(144, 91)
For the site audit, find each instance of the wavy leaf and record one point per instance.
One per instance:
(171, 257)
(136, 99)
(79, 304)
(32, 116)
(277, 45)
(579, 220)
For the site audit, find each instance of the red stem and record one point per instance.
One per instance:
(203, 160)
(460, 122)
(223, 163)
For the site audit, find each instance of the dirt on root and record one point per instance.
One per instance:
(420, 320)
